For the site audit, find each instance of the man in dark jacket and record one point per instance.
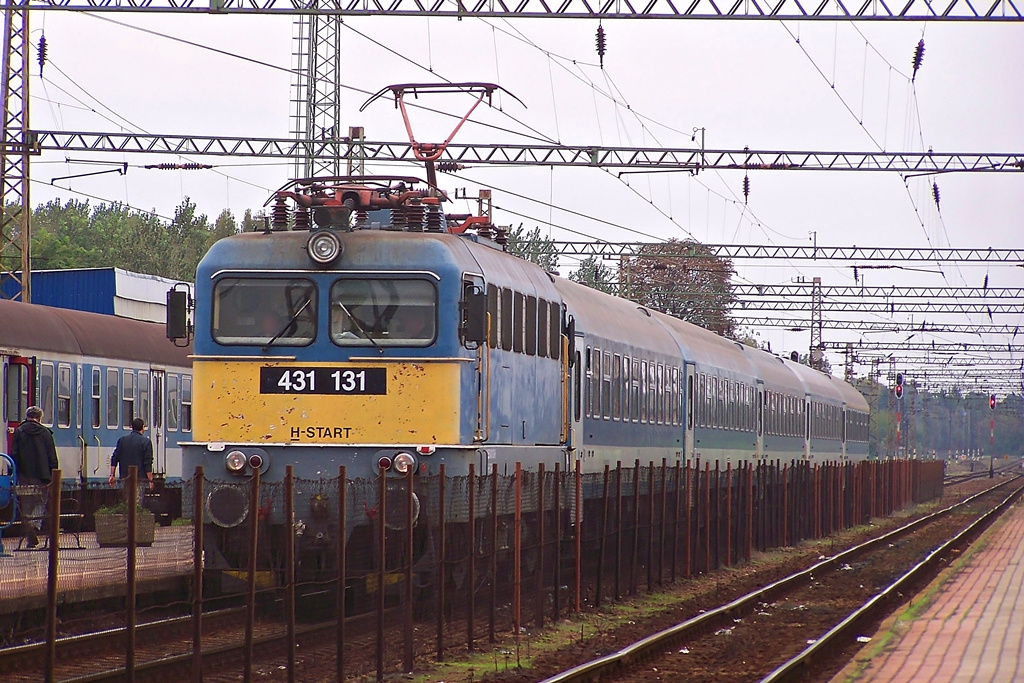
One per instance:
(134, 449)
(35, 456)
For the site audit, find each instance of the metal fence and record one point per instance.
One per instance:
(424, 565)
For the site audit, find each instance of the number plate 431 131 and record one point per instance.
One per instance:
(293, 380)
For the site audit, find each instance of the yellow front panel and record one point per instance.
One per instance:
(420, 406)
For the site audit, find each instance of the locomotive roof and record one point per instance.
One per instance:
(31, 328)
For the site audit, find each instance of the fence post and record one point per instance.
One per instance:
(250, 616)
(442, 547)
(197, 575)
(650, 527)
(728, 514)
(342, 570)
(689, 521)
(407, 660)
(635, 554)
(289, 568)
(381, 569)
(602, 543)
(51, 576)
(618, 529)
(517, 554)
(539, 574)
(557, 498)
(493, 607)
(579, 537)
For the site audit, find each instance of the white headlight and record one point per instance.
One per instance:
(323, 247)
(235, 461)
(404, 463)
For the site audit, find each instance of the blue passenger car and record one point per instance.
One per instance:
(91, 374)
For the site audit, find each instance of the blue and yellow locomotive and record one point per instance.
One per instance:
(366, 328)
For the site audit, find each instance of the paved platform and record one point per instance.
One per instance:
(973, 632)
(90, 572)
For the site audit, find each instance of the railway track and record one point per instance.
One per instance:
(776, 632)
(163, 649)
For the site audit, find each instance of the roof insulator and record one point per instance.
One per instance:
(918, 57)
(601, 44)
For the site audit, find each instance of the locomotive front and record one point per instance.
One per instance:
(360, 360)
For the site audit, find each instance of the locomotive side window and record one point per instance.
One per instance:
(112, 397)
(506, 320)
(518, 321)
(531, 326)
(97, 394)
(264, 311)
(383, 312)
(555, 331)
(493, 300)
(63, 395)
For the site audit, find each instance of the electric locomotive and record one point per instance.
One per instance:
(366, 328)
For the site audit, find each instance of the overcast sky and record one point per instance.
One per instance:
(815, 86)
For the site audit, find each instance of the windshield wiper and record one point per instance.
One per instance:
(355, 321)
(286, 325)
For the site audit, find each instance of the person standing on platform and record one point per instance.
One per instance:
(35, 456)
(134, 449)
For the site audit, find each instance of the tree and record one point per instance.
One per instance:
(689, 283)
(594, 274)
(532, 246)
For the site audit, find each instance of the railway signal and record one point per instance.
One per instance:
(899, 385)
(992, 402)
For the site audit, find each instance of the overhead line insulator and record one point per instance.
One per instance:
(601, 44)
(191, 166)
(918, 58)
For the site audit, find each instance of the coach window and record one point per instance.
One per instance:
(127, 397)
(606, 387)
(172, 403)
(186, 403)
(616, 387)
(589, 401)
(634, 398)
(97, 393)
(46, 391)
(143, 411)
(595, 382)
(113, 397)
(63, 395)
(264, 311)
(506, 319)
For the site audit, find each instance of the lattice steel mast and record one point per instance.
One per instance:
(15, 228)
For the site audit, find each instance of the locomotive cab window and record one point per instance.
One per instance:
(264, 311)
(384, 312)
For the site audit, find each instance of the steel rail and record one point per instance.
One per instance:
(603, 666)
(843, 630)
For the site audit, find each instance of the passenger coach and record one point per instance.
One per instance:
(92, 374)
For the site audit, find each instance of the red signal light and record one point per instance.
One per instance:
(899, 391)
(992, 402)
